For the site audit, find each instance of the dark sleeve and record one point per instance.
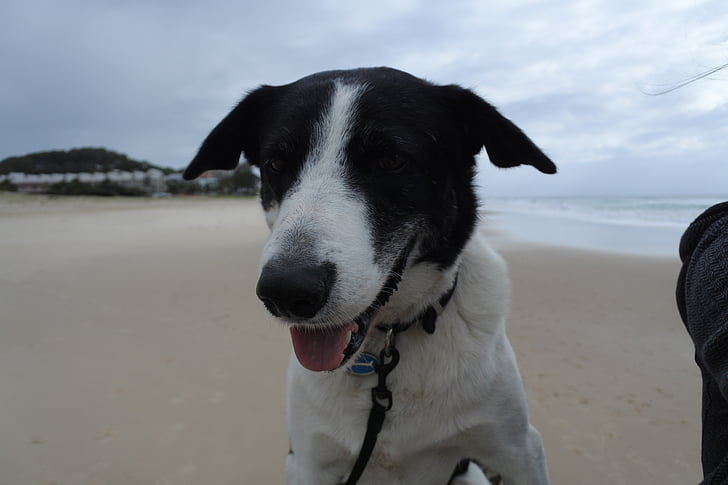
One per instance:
(702, 297)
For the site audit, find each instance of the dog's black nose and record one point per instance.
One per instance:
(294, 290)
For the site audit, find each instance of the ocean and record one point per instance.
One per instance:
(637, 225)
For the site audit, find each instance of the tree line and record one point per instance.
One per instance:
(76, 160)
(242, 181)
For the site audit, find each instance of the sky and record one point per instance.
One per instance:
(150, 78)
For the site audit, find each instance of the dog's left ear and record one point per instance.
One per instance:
(484, 126)
(237, 133)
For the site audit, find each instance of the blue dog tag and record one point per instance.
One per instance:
(365, 364)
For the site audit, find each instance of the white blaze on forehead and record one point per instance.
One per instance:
(322, 219)
(320, 190)
(332, 132)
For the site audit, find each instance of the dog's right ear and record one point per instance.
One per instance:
(238, 132)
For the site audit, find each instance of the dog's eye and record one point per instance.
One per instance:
(275, 165)
(391, 164)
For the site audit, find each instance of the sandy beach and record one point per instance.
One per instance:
(133, 351)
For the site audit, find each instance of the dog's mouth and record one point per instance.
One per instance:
(328, 348)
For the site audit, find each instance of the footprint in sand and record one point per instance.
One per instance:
(217, 397)
(177, 427)
(104, 435)
(217, 374)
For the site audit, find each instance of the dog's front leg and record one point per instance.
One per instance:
(468, 472)
(307, 470)
(520, 457)
(314, 457)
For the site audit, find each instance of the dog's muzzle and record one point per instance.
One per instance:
(296, 291)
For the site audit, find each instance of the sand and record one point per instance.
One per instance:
(133, 351)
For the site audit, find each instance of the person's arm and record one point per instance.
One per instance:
(702, 296)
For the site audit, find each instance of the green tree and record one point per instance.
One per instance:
(75, 161)
(242, 181)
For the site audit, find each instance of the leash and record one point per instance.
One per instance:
(381, 395)
(381, 403)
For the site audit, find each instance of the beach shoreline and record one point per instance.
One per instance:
(133, 350)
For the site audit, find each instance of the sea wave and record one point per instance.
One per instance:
(672, 212)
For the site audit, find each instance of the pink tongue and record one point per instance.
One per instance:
(321, 349)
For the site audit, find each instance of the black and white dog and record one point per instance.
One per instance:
(367, 187)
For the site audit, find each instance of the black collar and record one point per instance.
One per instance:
(428, 317)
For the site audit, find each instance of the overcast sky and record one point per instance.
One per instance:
(150, 78)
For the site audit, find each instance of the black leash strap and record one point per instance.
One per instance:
(388, 360)
(381, 403)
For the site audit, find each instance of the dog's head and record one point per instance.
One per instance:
(366, 178)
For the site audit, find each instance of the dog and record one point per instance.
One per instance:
(367, 187)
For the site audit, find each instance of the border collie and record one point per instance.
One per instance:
(367, 187)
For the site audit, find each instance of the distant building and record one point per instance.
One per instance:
(152, 179)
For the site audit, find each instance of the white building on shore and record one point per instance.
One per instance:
(152, 179)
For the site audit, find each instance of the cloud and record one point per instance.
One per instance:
(150, 78)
